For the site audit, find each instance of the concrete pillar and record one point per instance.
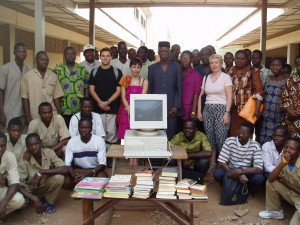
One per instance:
(263, 30)
(292, 53)
(9, 39)
(92, 23)
(39, 25)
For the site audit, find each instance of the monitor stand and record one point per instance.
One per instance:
(145, 132)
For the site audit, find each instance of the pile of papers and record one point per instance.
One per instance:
(183, 188)
(144, 184)
(199, 191)
(119, 186)
(167, 181)
(90, 188)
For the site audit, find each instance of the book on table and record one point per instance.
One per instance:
(144, 173)
(169, 172)
(119, 186)
(87, 195)
(92, 183)
(144, 184)
(120, 180)
(187, 182)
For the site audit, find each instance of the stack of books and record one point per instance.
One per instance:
(183, 188)
(90, 187)
(167, 181)
(119, 186)
(199, 191)
(144, 184)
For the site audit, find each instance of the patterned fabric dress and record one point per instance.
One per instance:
(291, 100)
(272, 113)
(123, 116)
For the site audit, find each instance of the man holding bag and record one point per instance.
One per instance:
(241, 159)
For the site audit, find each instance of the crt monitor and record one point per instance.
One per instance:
(148, 111)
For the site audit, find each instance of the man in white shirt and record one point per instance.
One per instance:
(86, 108)
(272, 150)
(122, 63)
(89, 54)
(87, 153)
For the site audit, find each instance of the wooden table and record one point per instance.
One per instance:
(166, 205)
(116, 152)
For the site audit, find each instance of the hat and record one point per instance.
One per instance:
(164, 44)
(87, 47)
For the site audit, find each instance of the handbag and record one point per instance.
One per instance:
(203, 97)
(234, 192)
(248, 110)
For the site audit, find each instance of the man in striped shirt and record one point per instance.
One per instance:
(242, 157)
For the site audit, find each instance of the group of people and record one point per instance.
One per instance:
(71, 112)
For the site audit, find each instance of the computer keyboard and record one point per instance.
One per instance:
(147, 154)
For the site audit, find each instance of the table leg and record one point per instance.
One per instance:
(113, 166)
(87, 212)
(191, 213)
(179, 169)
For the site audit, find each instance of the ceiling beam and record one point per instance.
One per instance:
(171, 4)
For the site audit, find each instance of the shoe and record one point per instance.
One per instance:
(271, 214)
(48, 208)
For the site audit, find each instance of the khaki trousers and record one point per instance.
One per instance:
(274, 191)
(16, 202)
(109, 125)
(51, 189)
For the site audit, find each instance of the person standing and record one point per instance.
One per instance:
(228, 60)
(10, 85)
(175, 52)
(114, 52)
(131, 53)
(204, 68)
(272, 114)
(165, 77)
(89, 54)
(290, 102)
(142, 54)
(105, 90)
(40, 85)
(73, 79)
(246, 83)
(122, 63)
(216, 113)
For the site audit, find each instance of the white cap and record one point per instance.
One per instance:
(87, 47)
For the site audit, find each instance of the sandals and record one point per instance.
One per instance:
(48, 208)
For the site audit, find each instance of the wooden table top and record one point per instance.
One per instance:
(116, 151)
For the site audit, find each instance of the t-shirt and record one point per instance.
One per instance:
(215, 92)
(97, 125)
(125, 68)
(105, 83)
(86, 155)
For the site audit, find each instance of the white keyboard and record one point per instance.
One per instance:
(147, 154)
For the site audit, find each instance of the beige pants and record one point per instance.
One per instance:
(51, 189)
(16, 202)
(109, 125)
(274, 191)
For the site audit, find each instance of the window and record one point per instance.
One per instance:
(143, 22)
(136, 13)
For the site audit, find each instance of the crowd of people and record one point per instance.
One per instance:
(71, 113)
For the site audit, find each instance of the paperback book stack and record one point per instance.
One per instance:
(144, 184)
(183, 188)
(119, 186)
(199, 191)
(90, 188)
(166, 185)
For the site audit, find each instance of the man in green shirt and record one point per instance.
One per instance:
(73, 79)
(198, 150)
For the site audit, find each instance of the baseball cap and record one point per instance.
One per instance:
(87, 47)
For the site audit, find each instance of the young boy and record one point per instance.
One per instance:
(15, 139)
(283, 182)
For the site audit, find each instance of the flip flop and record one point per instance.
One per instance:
(48, 208)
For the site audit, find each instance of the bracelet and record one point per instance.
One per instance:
(94, 172)
(39, 174)
(193, 113)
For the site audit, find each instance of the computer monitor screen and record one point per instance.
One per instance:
(148, 111)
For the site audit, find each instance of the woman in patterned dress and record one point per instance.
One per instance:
(272, 114)
(290, 102)
(246, 83)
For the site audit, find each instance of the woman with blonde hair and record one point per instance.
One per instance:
(216, 113)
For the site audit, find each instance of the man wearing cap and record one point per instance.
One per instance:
(122, 63)
(73, 79)
(89, 54)
(165, 77)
